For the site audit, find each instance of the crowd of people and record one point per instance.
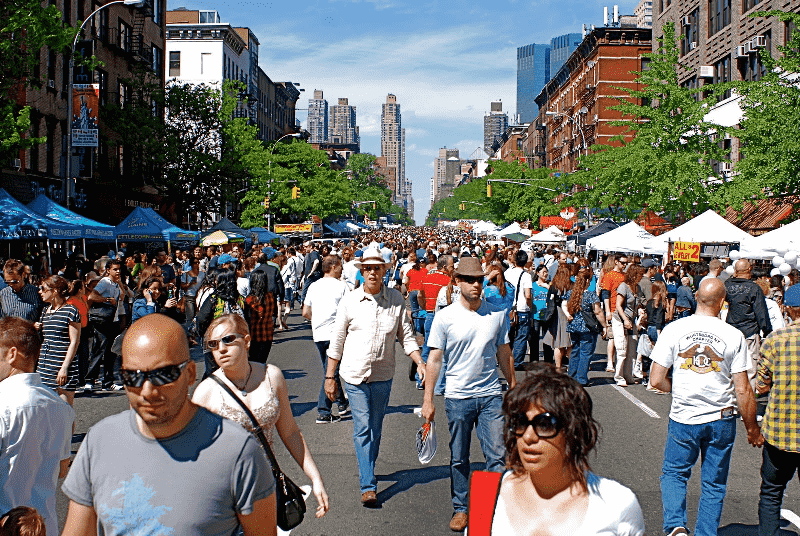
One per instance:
(468, 314)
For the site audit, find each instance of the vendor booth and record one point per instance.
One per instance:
(145, 225)
(630, 238)
(707, 235)
(221, 238)
(92, 230)
(262, 236)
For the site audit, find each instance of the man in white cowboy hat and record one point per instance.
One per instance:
(473, 337)
(368, 322)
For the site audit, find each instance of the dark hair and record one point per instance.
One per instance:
(58, 284)
(226, 286)
(521, 258)
(146, 285)
(14, 266)
(19, 333)
(562, 397)
(330, 262)
(75, 287)
(258, 285)
(776, 281)
(576, 297)
(22, 521)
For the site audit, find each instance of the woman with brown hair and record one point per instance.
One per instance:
(557, 335)
(578, 301)
(60, 325)
(622, 325)
(549, 435)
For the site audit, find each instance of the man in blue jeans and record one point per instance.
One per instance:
(472, 335)
(709, 364)
(521, 279)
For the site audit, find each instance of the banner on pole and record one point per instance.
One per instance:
(85, 102)
(686, 251)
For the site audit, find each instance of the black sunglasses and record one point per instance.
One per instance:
(227, 340)
(471, 280)
(158, 377)
(546, 425)
(371, 267)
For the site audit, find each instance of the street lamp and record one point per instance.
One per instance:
(269, 173)
(574, 119)
(68, 164)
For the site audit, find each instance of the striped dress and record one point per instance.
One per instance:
(55, 329)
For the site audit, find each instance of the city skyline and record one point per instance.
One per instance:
(445, 71)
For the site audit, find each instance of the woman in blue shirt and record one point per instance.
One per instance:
(498, 291)
(146, 301)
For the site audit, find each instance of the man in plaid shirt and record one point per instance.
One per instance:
(778, 374)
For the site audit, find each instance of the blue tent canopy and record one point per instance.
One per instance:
(19, 222)
(263, 236)
(145, 224)
(91, 229)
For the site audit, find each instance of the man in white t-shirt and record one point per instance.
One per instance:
(472, 336)
(322, 302)
(709, 365)
(522, 282)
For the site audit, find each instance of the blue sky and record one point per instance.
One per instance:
(445, 60)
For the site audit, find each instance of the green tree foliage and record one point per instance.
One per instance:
(770, 146)
(667, 165)
(25, 27)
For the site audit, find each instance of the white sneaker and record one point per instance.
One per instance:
(622, 383)
(637, 370)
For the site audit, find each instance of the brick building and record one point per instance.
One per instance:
(579, 96)
(128, 41)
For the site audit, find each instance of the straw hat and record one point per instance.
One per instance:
(371, 256)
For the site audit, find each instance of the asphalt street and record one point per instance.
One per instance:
(415, 498)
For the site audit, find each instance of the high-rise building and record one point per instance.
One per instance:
(533, 72)
(644, 14)
(561, 48)
(342, 126)
(446, 173)
(495, 123)
(393, 143)
(318, 118)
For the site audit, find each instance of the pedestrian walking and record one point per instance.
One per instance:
(19, 298)
(709, 365)
(522, 282)
(472, 336)
(580, 302)
(260, 312)
(557, 336)
(369, 321)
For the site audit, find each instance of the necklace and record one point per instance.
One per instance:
(243, 389)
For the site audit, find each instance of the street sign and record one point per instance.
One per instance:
(686, 251)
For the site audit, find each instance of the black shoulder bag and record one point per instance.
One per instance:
(514, 319)
(291, 506)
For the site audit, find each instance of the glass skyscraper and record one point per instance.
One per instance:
(561, 48)
(533, 72)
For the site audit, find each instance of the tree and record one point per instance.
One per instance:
(769, 144)
(667, 165)
(25, 27)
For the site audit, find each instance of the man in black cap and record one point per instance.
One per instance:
(474, 336)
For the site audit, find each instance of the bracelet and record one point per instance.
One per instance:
(330, 378)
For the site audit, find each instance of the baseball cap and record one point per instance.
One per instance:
(269, 252)
(359, 253)
(224, 258)
(649, 263)
(791, 298)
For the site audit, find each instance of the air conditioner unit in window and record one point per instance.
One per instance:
(758, 41)
(705, 71)
(740, 52)
(51, 84)
(685, 21)
(693, 45)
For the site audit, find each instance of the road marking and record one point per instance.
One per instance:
(642, 406)
(791, 517)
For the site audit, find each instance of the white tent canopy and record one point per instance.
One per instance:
(511, 229)
(551, 235)
(775, 242)
(484, 227)
(630, 238)
(708, 227)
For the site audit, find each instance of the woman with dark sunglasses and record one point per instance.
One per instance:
(262, 387)
(549, 434)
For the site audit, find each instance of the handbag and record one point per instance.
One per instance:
(101, 312)
(591, 321)
(290, 504)
(513, 318)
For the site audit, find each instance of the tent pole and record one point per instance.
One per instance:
(84, 247)
(49, 262)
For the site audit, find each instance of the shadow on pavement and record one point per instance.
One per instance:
(293, 374)
(301, 408)
(306, 337)
(738, 529)
(408, 478)
(405, 408)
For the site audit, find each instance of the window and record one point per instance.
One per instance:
(752, 68)
(691, 32)
(209, 17)
(125, 36)
(51, 66)
(174, 63)
(719, 15)
(81, 10)
(64, 73)
(788, 29)
(747, 5)
(121, 159)
(68, 12)
(156, 65)
(205, 63)
(691, 83)
(103, 30)
(722, 73)
(157, 12)
(123, 95)
(50, 146)
(102, 81)
(34, 163)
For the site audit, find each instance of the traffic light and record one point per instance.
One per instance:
(373, 206)
(295, 192)
(462, 206)
(266, 202)
(488, 189)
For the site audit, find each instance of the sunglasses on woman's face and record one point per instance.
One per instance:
(546, 425)
(227, 340)
(158, 377)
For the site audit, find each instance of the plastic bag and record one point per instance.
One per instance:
(426, 442)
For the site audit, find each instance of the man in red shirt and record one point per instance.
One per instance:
(432, 283)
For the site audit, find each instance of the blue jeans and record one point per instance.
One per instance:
(777, 469)
(324, 403)
(368, 402)
(685, 442)
(520, 342)
(426, 329)
(583, 343)
(484, 413)
(419, 323)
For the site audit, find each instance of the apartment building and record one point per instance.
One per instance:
(317, 122)
(495, 122)
(393, 143)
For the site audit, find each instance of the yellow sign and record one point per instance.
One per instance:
(293, 228)
(686, 251)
